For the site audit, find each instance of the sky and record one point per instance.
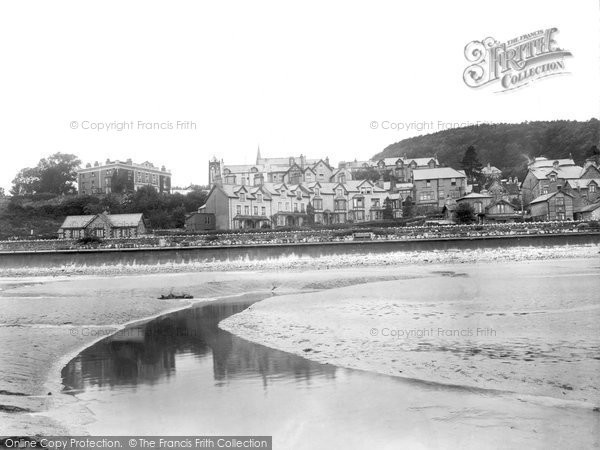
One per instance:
(295, 78)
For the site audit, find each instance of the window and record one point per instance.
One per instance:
(592, 187)
(287, 206)
(259, 198)
(501, 208)
(207, 220)
(428, 183)
(256, 210)
(340, 205)
(359, 215)
(321, 176)
(279, 206)
(263, 211)
(317, 191)
(247, 210)
(318, 204)
(453, 181)
(425, 196)
(295, 207)
(238, 209)
(302, 207)
(478, 207)
(358, 202)
(242, 197)
(339, 192)
(299, 194)
(455, 194)
(375, 203)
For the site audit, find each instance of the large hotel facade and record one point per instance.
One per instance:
(119, 176)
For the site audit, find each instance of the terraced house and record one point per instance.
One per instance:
(272, 205)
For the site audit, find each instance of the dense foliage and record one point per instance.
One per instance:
(43, 213)
(55, 174)
(506, 146)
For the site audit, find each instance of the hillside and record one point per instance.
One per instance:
(506, 146)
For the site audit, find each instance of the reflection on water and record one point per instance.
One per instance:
(181, 375)
(148, 354)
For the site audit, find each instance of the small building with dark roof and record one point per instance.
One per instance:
(103, 225)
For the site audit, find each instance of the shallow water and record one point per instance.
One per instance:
(181, 375)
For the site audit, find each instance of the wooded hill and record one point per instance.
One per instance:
(506, 146)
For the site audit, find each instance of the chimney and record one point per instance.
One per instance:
(327, 160)
(96, 164)
(163, 169)
(555, 164)
(129, 161)
(107, 161)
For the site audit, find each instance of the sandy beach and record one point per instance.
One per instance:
(320, 313)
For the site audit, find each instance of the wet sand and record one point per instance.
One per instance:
(47, 320)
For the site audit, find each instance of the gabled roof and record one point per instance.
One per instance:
(78, 221)
(542, 161)
(116, 220)
(437, 173)
(564, 172)
(546, 197)
(491, 205)
(583, 182)
(587, 208)
(125, 220)
(474, 195)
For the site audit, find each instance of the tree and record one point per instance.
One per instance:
(55, 174)
(178, 217)
(310, 212)
(122, 181)
(388, 209)
(58, 173)
(407, 208)
(593, 152)
(471, 164)
(26, 182)
(465, 213)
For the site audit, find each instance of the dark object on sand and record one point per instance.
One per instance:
(171, 296)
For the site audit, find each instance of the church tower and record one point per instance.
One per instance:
(258, 157)
(214, 171)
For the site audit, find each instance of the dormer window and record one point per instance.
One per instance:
(299, 194)
(339, 192)
(552, 177)
(317, 191)
(242, 196)
(259, 198)
(592, 187)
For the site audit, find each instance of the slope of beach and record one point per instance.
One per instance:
(47, 319)
(529, 328)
